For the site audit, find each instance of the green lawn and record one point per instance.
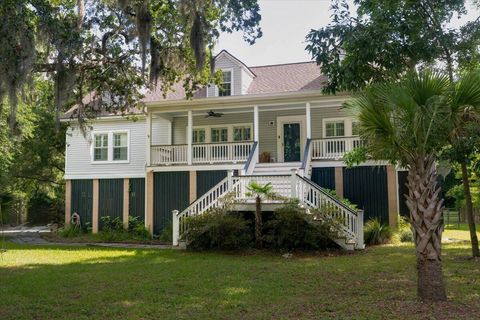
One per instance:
(87, 282)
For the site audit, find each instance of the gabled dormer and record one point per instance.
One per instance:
(236, 76)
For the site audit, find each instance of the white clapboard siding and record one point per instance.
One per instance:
(78, 164)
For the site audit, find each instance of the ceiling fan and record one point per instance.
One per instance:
(211, 113)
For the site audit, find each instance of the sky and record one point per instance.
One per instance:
(285, 23)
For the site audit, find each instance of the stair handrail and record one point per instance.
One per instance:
(208, 200)
(351, 219)
(252, 159)
(307, 158)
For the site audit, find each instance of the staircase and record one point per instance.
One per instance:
(287, 183)
(271, 169)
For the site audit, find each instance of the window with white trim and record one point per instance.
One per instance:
(225, 89)
(120, 146)
(242, 133)
(219, 134)
(335, 129)
(100, 147)
(355, 128)
(198, 135)
(111, 146)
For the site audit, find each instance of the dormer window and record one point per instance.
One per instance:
(225, 88)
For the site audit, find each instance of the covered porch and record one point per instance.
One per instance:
(235, 135)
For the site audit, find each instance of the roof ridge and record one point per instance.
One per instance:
(282, 64)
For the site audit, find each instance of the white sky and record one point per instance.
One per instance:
(285, 23)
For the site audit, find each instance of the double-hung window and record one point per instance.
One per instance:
(100, 147)
(219, 134)
(242, 133)
(335, 129)
(120, 146)
(110, 146)
(198, 135)
(225, 88)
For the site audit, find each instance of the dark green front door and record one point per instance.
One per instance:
(291, 142)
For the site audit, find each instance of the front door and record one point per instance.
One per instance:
(291, 142)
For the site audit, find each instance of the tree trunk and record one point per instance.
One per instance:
(258, 222)
(426, 206)
(469, 211)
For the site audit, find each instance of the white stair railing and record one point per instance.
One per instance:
(288, 186)
(199, 206)
(316, 197)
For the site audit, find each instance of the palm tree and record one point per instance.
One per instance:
(260, 192)
(407, 123)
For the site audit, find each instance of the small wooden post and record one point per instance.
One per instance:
(68, 201)
(175, 228)
(95, 201)
(360, 241)
(126, 202)
(230, 179)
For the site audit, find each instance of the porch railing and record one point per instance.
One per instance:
(221, 152)
(169, 154)
(333, 148)
(205, 153)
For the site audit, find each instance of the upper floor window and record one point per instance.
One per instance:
(110, 146)
(198, 135)
(100, 148)
(120, 146)
(242, 133)
(225, 88)
(355, 128)
(219, 134)
(335, 129)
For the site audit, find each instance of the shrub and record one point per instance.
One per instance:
(70, 231)
(217, 229)
(292, 227)
(404, 230)
(376, 232)
(137, 228)
(166, 235)
(109, 224)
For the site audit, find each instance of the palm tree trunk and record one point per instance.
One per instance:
(258, 222)
(426, 206)
(469, 213)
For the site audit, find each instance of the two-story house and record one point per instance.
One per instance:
(267, 124)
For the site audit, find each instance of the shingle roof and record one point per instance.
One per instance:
(270, 79)
(291, 77)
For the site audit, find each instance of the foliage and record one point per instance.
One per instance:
(376, 232)
(70, 231)
(293, 228)
(167, 234)
(404, 230)
(136, 226)
(109, 224)
(103, 47)
(381, 41)
(217, 229)
(343, 200)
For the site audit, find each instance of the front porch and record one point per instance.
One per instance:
(257, 134)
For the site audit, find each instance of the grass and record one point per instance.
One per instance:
(106, 283)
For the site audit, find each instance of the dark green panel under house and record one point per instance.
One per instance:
(206, 180)
(136, 198)
(324, 177)
(170, 192)
(82, 201)
(367, 188)
(110, 199)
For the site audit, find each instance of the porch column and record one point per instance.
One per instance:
(339, 181)
(392, 195)
(256, 135)
(149, 201)
(68, 201)
(189, 137)
(309, 120)
(126, 202)
(149, 138)
(95, 200)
